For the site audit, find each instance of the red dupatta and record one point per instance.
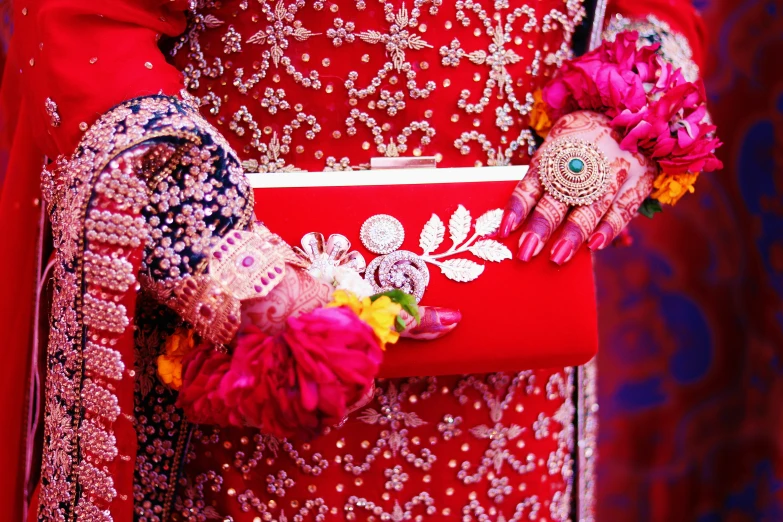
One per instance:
(86, 57)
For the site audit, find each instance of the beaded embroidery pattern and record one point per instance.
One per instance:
(80, 403)
(377, 99)
(102, 207)
(417, 469)
(374, 66)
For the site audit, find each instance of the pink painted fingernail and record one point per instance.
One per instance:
(562, 252)
(528, 247)
(449, 317)
(596, 241)
(509, 218)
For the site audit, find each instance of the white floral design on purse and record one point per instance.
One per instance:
(407, 271)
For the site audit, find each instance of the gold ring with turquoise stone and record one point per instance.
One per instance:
(573, 171)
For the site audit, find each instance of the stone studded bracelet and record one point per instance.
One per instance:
(244, 265)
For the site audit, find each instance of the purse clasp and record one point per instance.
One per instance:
(408, 162)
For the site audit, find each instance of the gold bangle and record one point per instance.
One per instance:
(244, 265)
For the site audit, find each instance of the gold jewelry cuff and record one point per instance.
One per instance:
(244, 265)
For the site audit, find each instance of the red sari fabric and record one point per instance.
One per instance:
(292, 86)
(89, 56)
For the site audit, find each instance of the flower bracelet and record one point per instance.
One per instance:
(657, 109)
(296, 382)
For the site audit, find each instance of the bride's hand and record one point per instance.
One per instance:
(299, 293)
(540, 215)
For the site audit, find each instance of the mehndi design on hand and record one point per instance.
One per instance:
(629, 183)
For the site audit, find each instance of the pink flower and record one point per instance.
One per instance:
(673, 130)
(200, 391)
(291, 384)
(651, 104)
(699, 156)
(607, 79)
(572, 89)
(620, 89)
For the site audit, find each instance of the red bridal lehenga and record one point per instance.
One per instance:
(288, 85)
(326, 86)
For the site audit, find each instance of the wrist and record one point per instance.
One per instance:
(297, 293)
(243, 266)
(674, 47)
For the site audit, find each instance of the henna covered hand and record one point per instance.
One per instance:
(540, 215)
(299, 292)
(293, 377)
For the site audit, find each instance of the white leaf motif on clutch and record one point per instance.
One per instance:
(490, 250)
(432, 235)
(489, 222)
(461, 270)
(459, 226)
(408, 271)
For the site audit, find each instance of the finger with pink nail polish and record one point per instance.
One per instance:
(570, 241)
(596, 241)
(435, 323)
(508, 223)
(529, 245)
(547, 216)
(522, 200)
(563, 251)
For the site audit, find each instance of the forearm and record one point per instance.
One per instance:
(190, 193)
(98, 205)
(676, 24)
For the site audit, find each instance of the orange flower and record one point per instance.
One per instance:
(669, 188)
(539, 119)
(177, 346)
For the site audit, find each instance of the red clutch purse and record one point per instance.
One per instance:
(515, 315)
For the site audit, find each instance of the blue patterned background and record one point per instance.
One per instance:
(692, 324)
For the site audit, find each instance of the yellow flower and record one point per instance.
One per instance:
(669, 188)
(349, 299)
(170, 371)
(539, 119)
(380, 314)
(177, 346)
